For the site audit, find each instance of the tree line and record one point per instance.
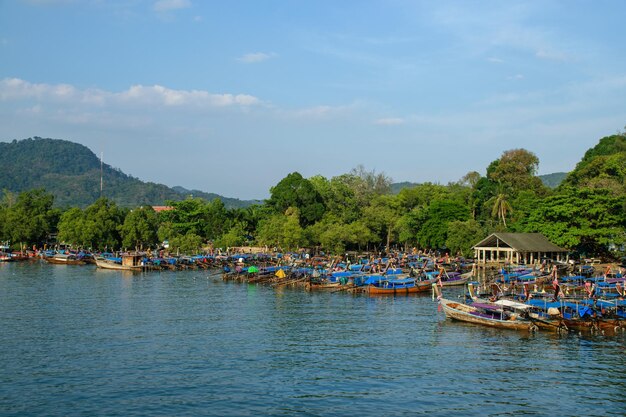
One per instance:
(357, 211)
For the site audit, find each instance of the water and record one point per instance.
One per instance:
(76, 341)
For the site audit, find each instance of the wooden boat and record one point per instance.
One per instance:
(537, 311)
(322, 286)
(64, 259)
(591, 316)
(398, 286)
(125, 263)
(483, 314)
(450, 279)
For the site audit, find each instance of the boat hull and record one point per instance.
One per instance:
(469, 314)
(64, 261)
(104, 264)
(411, 289)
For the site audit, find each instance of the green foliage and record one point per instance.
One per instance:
(139, 229)
(101, 225)
(298, 192)
(72, 227)
(500, 207)
(234, 237)
(334, 236)
(409, 224)
(462, 235)
(188, 216)
(422, 195)
(350, 211)
(31, 218)
(270, 230)
(433, 230)
(282, 230)
(603, 166)
(340, 198)
(216, 220)
(553, 180)
(585, 219)
(382, 215)
(189, 243)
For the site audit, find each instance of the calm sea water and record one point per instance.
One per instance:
(80, 341)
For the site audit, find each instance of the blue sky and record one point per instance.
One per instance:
(231, 96)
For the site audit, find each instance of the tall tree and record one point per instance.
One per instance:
(433, 231)
(139, 229)
(382, 216)
(298, 192)
(501, 207)
(516, 171)
(585, 219)
(31, 218)
(102, 221)
(72, 227)
(462, 235)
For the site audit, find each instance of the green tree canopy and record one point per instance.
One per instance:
(139, 229)
(31, 218)
(580, 218)
(298, 192)
(101, 225)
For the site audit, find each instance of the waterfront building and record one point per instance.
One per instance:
(526, 248)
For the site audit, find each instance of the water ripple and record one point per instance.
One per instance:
(79, 341)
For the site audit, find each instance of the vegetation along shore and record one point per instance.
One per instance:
(355, 211)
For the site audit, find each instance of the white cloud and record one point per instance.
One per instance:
(495, 60)
(552, 55)
(515, 77)
(17, 89)
(168, 5)
(255, 57)
(389, 121)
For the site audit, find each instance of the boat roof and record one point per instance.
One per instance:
(512, 304)
(521, 242)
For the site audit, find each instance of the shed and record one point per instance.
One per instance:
(517, 248)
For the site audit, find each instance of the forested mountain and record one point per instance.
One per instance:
(71, 172)
(553, 180)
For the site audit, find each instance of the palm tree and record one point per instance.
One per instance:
(501, 207)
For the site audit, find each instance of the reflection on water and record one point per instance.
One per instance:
(81, 341)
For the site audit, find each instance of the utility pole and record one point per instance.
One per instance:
(101, 173)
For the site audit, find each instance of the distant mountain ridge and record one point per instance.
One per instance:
(71, 172)
(549, 180)
(553, 180)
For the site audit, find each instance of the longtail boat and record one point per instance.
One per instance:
(380, 285)
(64, 259)
(488, 315)
(125, 263)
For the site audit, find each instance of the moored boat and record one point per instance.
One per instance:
(483, 314)
(392, 286)
(124, 263)
(64, 259)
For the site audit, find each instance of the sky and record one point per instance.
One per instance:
(231, 96)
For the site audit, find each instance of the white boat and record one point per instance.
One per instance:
(125, 263)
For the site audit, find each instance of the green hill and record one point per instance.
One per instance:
(396, 187)
(71, 172)
(553, 180)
